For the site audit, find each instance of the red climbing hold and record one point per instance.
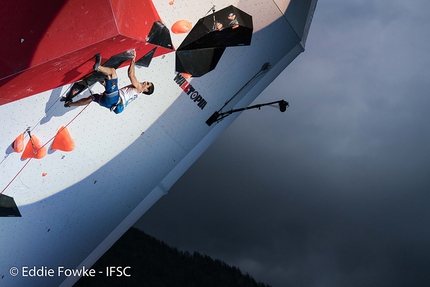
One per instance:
(18, 144)
(63, 141)
(34, 149)
(181, 27)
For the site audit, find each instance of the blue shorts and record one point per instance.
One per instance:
(111, 95)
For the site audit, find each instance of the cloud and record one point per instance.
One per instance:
(333, 192)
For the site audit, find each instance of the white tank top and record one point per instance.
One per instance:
(127, 95)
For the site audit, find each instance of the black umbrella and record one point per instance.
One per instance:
(201, 50)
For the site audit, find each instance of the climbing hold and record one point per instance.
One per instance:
(63, 141)
(34, 149)
(186, 75)
(181, 26)
(44, 174)
(18, 144)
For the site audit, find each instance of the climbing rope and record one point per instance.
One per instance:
(36, 150)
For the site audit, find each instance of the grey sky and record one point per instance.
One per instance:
(336, 190)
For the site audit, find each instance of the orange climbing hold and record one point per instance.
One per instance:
(34, 149)
(186, 75)
(181, 26)
(18, 144)
(63, 141)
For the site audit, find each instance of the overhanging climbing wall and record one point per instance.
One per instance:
(75, 204)
(47, 52)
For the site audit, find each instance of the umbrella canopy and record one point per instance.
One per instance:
(201, 50)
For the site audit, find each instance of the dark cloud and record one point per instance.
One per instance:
(335, 191)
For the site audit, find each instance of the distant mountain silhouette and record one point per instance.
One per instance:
(154, 264)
